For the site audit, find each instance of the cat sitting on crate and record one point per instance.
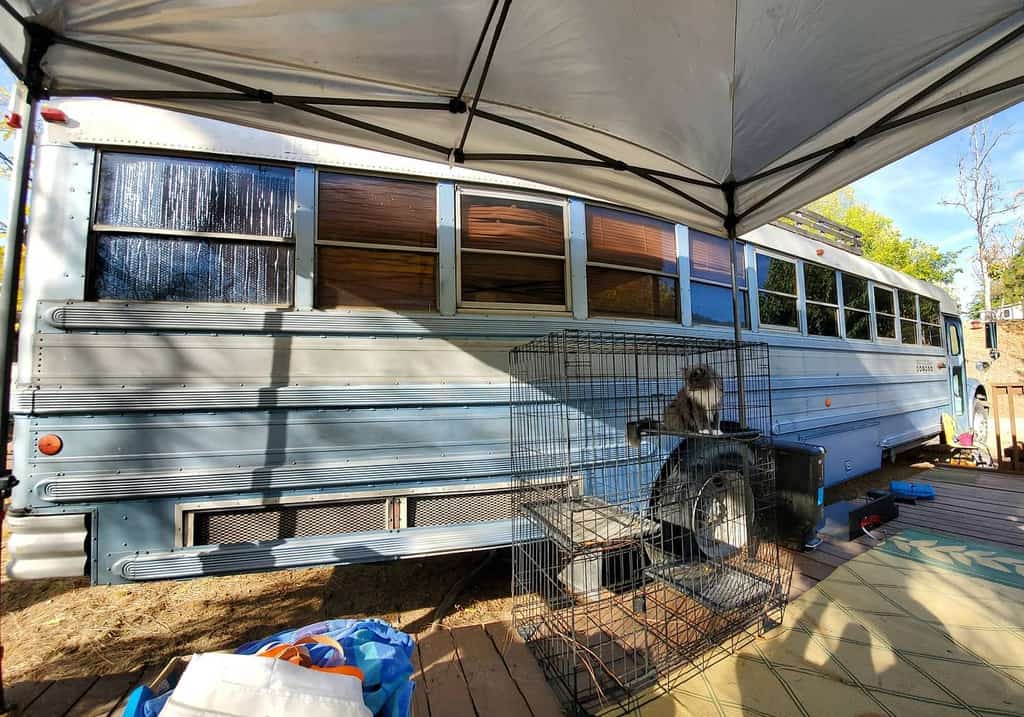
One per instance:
(695, 409)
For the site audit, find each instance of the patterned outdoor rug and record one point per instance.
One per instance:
(923, 625)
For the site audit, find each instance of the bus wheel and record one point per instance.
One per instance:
(979, 424)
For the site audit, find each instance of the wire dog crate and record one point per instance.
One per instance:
(645, 534)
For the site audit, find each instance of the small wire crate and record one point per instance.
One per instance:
(644, 486)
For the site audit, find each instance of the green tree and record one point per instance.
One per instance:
(1008, 284)
(883, 241)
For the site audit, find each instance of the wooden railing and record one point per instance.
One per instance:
(1007, 405)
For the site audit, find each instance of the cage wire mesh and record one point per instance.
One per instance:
(645, 540)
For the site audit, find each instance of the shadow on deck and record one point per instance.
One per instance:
(482, 670)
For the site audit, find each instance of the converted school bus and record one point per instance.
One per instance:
(253, 351)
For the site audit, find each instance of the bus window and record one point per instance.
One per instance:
(885, 313)
(181, 229)
(632, 268)
(512, 252)
(953, 339)
(376, 243)
(857, 309)
(711, 280)
(931, 322)
(776, 283)
(822, 300)
(908, 317)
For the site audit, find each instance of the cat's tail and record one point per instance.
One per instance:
(634, 430)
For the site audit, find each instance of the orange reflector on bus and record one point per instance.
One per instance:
(828, 402)
(52, 114)
(50, 445)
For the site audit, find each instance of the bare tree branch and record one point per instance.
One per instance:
(980, 196)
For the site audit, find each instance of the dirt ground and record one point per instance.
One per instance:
(65, 628)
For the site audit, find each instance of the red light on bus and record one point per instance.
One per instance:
(50, 444)
(13, 120)
(52, 114)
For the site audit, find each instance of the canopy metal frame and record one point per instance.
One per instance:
(40, 38)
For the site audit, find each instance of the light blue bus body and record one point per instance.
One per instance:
(190, 432)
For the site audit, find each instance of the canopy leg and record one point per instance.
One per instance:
(23, 105)
(729, 188)
(20, 176)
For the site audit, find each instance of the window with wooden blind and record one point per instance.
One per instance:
(511, 252)
(182, 229)
(632, 269)
(376, 243)
(711, 280)
(856, 307)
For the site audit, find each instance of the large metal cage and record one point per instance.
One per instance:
(643, 547)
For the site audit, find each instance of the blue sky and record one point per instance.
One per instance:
(910, 190)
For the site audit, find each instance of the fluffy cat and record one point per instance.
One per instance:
(695, 409)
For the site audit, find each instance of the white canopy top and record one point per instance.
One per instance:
(658, 105)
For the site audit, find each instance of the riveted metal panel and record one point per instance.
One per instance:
(260, 360)
(58, 238)
(70, 489)
(683, 261)
(446, 248)
(578, 258)
(266, 439)
(305, 236)
(103, 316)
(114, 399)
(301, 552)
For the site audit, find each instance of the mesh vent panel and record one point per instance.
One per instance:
(464, 508)
(274, 523)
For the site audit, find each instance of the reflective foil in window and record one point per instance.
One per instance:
(159, 268)
(192, 195)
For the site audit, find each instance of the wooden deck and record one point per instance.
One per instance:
(481, 670)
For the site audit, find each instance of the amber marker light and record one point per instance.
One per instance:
(828, 402)
(50, 444)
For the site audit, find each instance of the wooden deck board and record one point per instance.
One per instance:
(59, 698)
(524, 670)
(420, 702)
(443, 676)
(489, 681)
(21, 695)
(104, 694)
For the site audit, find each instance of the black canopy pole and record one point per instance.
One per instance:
(729, 189)
(891, 119)
(459, 152)
(39, 40)
(457, 100)
(20, 174)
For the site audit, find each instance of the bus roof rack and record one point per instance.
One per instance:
(820, 228)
